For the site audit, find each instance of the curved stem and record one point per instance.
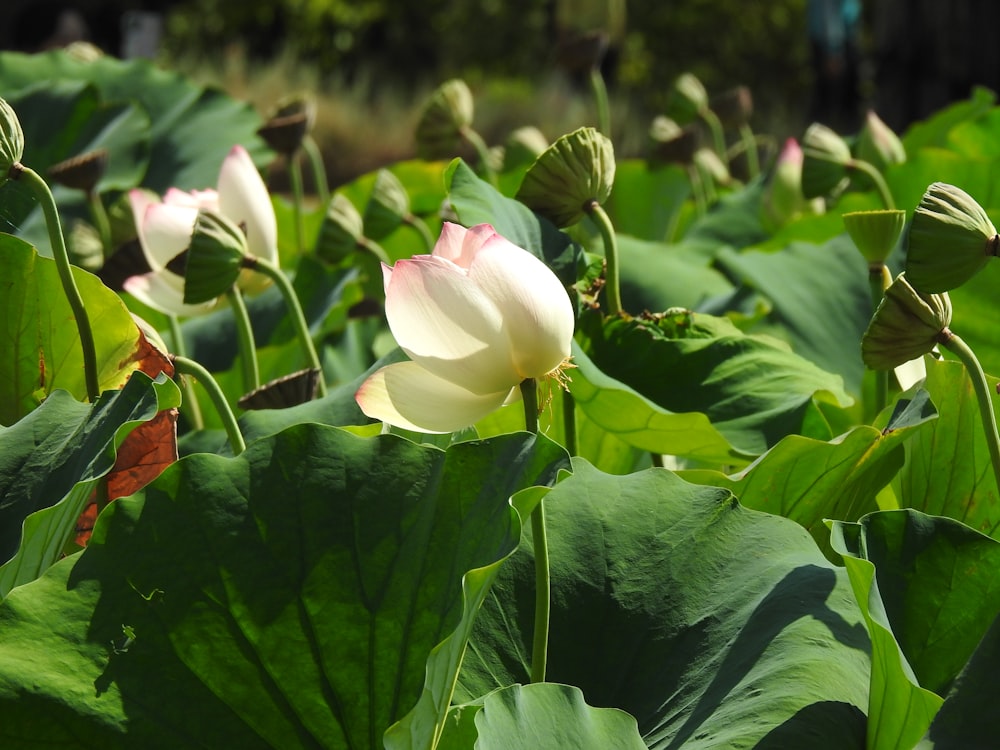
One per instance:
(298, 198)
(612, 285)
(298, 318)
(186, 366)
(40, 190)
(540, 639)
(879, 279)
(953, 343)
(100, 216)
(483, 152)
(421, 229)
(750, 150)
(600, 91)
(190, 399)
(244, 339)
(311, 148)
(876, 177)
(697, 190)
(718, 137)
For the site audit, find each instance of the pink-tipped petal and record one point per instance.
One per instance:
(164, 291)
(444, 321)
(460, 245)
(244, 199)
(408, 396)
(166, 233)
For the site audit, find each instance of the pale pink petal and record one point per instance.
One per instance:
(140, 200)
(166, 233)
(208, 199)
(164, 291)
(408, 396)
(537, 312)
(444, 321)
(244, 199)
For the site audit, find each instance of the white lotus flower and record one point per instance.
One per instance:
(165, 226)
(476, 317)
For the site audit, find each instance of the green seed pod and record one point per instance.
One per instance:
(387, 206)
(906, 325)
(81, 172)
(733, 107)
(577, 169)
(445, 115)
(688, 98)
(11, 140)
(878, 145)
(875, 233)
(289, 124)
(342, 230)
(673, 144)
(214, 257)
(825, 159)
(523, 146)
(950, 240)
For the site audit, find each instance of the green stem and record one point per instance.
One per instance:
(298, 198)
(371, 246)
(40, 190)
(298, 318)
(569, 424)
(953, 343)
(612, 285)
(879, 279)
(190, 398)
(186, 366)
(100, 216)
(311, 148)
(697, 190)
(876, 177)
(245, 341)
(421, 229)
(718, 137)
(600, 91)
(540, 640)
(750, 150)
(483, 152)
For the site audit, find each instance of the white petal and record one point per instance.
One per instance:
(244, 199)
(408, 396)
(208, 199)
(164, 291)
(910, 373)
(166, 232)
(537, 313)
(442, 320)
(460, 245)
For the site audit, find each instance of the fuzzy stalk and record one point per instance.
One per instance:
(311, 149)
(190, 399)
(540, 638)
(877, 180)
(186, 366)
(244, 340)
(600, 92)
(613, 291)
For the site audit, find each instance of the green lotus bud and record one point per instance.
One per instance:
(289, 124)
(445, 115)
(950, 240)
(733, 107)
(878, 145)
(11, 140)
(875, 233)
(673, 144)
(214, 257)
(342, 230)
(573, 172)
(826, 157)
(710, 164)
(523, 146)
(687, 99)
(81, 172)
(906, 325)
(387, 206)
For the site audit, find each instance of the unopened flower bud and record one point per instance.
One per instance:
(214, 257)
(710, 164)
(687, 98)
(11, 140)
(523, 146)
(342, 230)
(950, 240)
(875, 233)
(825, 159)
(577, 169)
(388, 205)
(906, 325)
(673, 144)
(445, 115)
(878, 145)
(733, 107)
(81, 172)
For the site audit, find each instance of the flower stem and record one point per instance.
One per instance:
(244, 339)
(953, 343)
(569, 424)
(876, 177)
(483, 152)
(613, 282)
(697, 190)
(750, 150)
(40, 190)
(879, 279)
(298, 318)
(298, 198)
(540, 641)
(311, 148)
(190, 399)
(186, 366)
(600, 91)
(421, 229)
(718, 137)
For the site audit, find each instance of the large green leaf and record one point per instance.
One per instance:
(753, 389)
(288, 597)
(50, 462)
(714, 625)
(646, 198)
(39, 344)
(935, 129)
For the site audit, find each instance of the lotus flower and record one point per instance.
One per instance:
(476, 317)
(164, 228)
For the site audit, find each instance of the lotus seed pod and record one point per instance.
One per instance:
(950, 240)
(673, 144)
(733, 107)
(875, 233)
(906, 325)
(289, 124)
(878, 145)
(214, 257)
(388, 205)
(825, 159)
(523, 146)
(81, 172)
(577, 169)
(11, 140)
(342, 230)
(583, 52)
(445, 115)
(688, 98)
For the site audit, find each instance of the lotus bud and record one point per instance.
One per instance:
(523, 146)
(214, 258)
(342, 230)
(387, 207)
(583, 52)
(573, 172)
(783, 199)
(906, 325)
(734, 107)
(710, 164)
(673, 144)
(688, 98)
(875, 233)
(81, 172)
(445, 115)
(826, 157)
(11, 140)
(950, 240)
(878, 145)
